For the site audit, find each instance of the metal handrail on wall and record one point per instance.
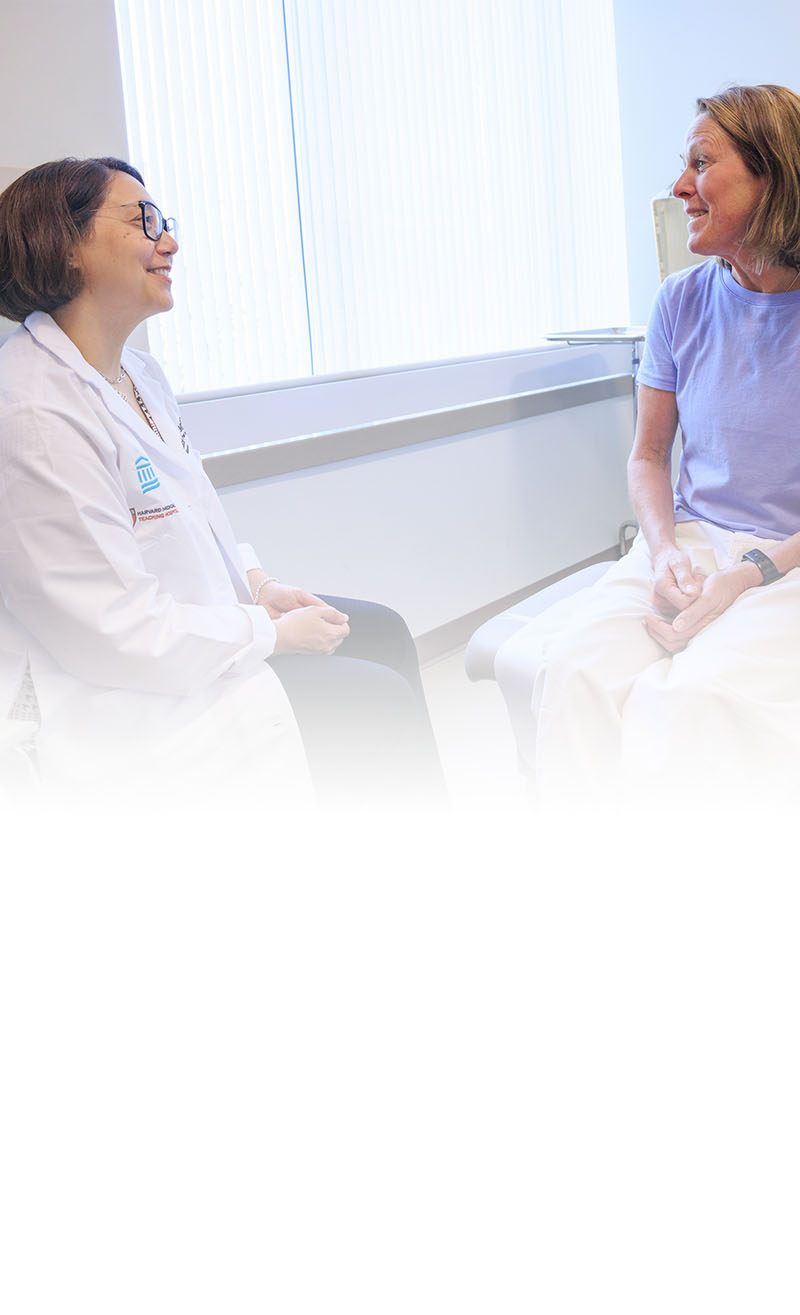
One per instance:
(264, 460)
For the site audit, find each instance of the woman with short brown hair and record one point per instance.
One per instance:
(43, 218)
(146, 642)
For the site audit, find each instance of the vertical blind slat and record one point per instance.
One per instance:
(458, 166)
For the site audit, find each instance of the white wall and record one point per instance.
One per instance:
(667, 56)
(60, 88)
(60, 82)
(440, 529)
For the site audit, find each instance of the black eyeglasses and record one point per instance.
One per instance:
(154, 223)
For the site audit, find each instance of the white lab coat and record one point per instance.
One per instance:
(123, 589)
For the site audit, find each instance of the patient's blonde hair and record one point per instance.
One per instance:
(764, 125)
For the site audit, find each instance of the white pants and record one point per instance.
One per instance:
(594, 699)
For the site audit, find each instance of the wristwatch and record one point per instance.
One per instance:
(765, 565)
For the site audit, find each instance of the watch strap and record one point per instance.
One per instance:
(765, 564)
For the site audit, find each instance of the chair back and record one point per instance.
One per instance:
(672, 233)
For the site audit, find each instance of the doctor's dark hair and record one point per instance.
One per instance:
(44, 214)
(763, 123)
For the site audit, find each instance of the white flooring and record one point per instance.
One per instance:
(475, 740)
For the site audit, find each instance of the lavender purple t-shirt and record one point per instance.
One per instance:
(732, 358)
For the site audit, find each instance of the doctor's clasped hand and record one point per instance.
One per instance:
(315, 629)
(304, 622)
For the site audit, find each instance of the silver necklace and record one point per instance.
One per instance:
(113, 382)
(151, 422)
(140, 400)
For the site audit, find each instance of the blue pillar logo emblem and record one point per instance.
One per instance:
(147, 476)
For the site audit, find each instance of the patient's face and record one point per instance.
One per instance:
(718, 192)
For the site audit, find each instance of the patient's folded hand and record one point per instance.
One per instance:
(661, 630)
(717, 592)
(675, 584)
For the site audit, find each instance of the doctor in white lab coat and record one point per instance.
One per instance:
(133, 629)
(128, 627)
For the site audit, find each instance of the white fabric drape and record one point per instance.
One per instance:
(364, 184)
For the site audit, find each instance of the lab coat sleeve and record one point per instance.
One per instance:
(249, 557)
(72, 572)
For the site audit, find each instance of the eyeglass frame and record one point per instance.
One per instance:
(171, 224)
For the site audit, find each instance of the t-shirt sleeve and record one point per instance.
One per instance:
(658, 369)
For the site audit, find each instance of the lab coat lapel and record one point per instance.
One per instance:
(175, 460)
(45, 330)
(170, 461)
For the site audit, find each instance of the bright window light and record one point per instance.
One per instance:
(365, 184)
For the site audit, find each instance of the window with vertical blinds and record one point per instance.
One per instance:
(365, 183)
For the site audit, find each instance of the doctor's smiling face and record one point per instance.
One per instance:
(126, 274)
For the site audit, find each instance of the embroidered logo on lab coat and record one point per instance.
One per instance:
(147, 476)
(152, 513)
